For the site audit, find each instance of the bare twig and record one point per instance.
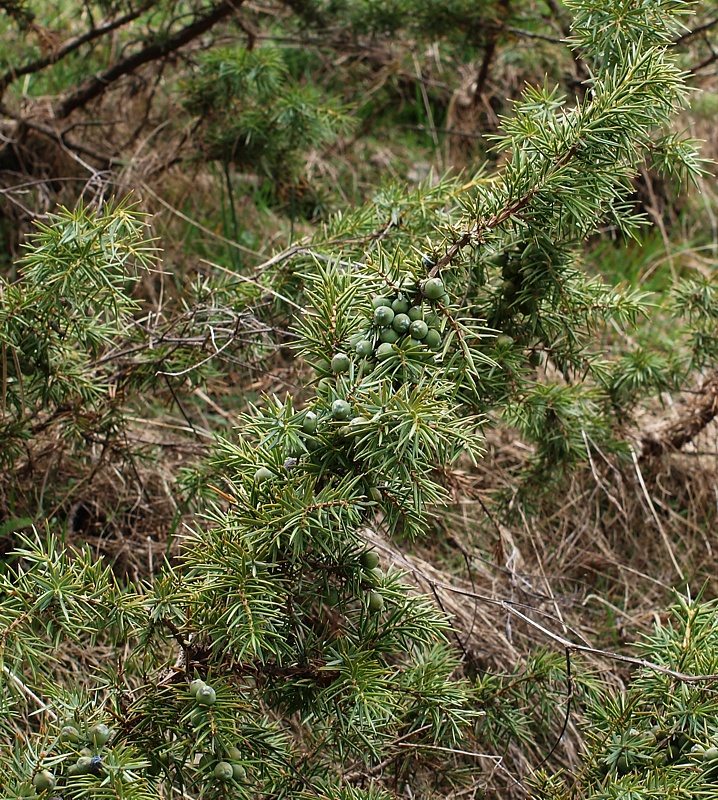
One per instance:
(693, 418)
(71, 45)
(158, 48)
(42, 705)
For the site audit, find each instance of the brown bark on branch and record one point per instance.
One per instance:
(71, 45)
(99, 83)
(694, 417)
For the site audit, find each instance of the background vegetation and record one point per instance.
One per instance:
(262, 538)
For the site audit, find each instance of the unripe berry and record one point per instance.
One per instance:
(378, 302)
(206, 696)
(416, 312)
(340, 363)
(369, 559)
(376, 602)
(260, 476)
(341, 409)
(433, 288)
(433, 320)
(388, 335)
(238, 772)
(419, 329)
(223, 771)
(433, 339)
(309, 423)
(69, 733)
(195, 686)
(364, 348)
(99, 734)
(384, 351)
(401, 323)
(234, 754)
(44, 780)
(383, 317)
(400, 305)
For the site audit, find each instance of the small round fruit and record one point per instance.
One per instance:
(369, 559)
(433, 320)
(260, 476)
(99, 734)
(195, 686)
(400, 306)
(375, 494)
(95, 765)
(401, 323)
(711, 754)
(223, 771)
(364, 348)
(504, 341)
(206, 696)
(234, 754)
(69, 733)
(340, 363)
(528, 306)
(383, 317)
(380, 302)
(376, 602)
(433, 339)
(44, 780)
(444, 299)
(433, 288)
(384, 351)
(389, 335)
(325, 386)
(197, 717)
(415, 313)
(623, 765)
(238, 772)
(309, 423)
(341, 409)
(509, 289)
(419, 329)
(415, 342)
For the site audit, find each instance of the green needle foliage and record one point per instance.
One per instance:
(278, 655)
(70, 300)
(658, 738)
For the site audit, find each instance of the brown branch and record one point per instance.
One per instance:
(489, 53)
(71, 45)
(695, 32)
(157, 49)
(695, 416)
(711, 59)
(474, 234)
